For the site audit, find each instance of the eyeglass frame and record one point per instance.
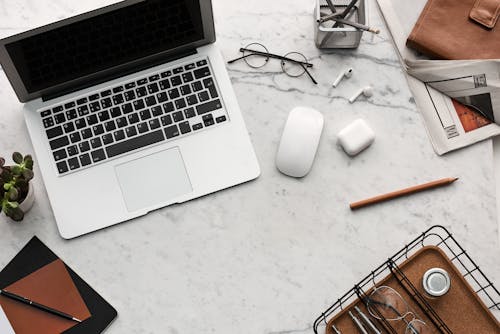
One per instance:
(268, 55)
(368, 300)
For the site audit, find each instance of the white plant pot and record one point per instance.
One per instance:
(29, 200)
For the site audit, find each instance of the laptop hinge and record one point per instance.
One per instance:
(127, 71)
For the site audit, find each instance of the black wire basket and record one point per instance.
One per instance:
(434, 236)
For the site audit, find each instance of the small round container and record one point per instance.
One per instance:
(436, 282)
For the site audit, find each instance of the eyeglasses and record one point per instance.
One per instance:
(294, 64)
(386, 303)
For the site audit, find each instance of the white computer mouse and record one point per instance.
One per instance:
(299, 141)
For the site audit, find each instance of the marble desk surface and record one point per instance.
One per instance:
(270, 255)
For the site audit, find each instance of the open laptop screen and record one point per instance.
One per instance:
(132, 31)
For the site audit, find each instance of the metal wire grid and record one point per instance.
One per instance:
(437, 236)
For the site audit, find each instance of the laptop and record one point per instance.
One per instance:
(129, 109)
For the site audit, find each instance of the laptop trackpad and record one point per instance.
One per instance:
(153, 179)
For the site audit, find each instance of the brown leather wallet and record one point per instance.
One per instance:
(458, 29)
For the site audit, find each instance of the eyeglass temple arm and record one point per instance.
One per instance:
(408, 324)
(272, 55)
(309, 74)
(239, 58)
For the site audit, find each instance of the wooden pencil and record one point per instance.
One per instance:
(402, 192)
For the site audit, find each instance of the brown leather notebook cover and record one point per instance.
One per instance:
(458, 29)
(52, 286)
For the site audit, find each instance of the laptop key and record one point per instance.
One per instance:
(60, 154)
(178, 70)
(210, 85)
(191, 99)
(130, 85)
(96, 142)
(139, 104)
(94, 106)
(84, 146)
(197, 126)
(54, 132)
(201, 72)
(121, 122)
(173, 93)
(168, 107)
(208, 120)
(142, 127)
(72, 150)
(166, 120)
(86, 133)
(166, 74)
(164, 84)
(75, 137)
(59, 142)
(118, 89)
(83, 110)
(69, 127)
(197, 86)
(190, 66)
(187, 77)
(106, 103)
(201, 62)
(127, 108)
(85, 159)
(135, 143)
(115, 112)
(154, 77)
(98, 129)
(71, 114)
(156, 111)
(81, 101)
(69, 105)
(162, 97)
(153, 88)
(62, 167)
(180, 103)
(172, 131)
(203, 96)
(45, 113)
(129, 95)
(119, 135)
(110, 126)
(141, 91)
(98, 155)
(73, 164)
(57, 109)
(221, 119)
(131, 131)
(142, 81)
(133, 118)
(189, 113)
(94, 97)
(208, 107)
(185, 90)
(176, 81)
(107, 139)
(48, 122)
(60, 118)
(80, 123)
(184, 127)
(154, 124)
(145, 114)
(118, 99)
(92, 119)
(177, 116)
(103, 115)
(150, 100)
(106, 93)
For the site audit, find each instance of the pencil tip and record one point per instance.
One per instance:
(454, 179)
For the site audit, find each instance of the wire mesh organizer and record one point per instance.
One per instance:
(436, 240)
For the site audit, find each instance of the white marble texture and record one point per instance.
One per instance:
(270, 255)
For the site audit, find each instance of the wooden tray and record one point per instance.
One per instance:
(461, 308)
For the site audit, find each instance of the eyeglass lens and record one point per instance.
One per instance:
(387, 303)
(294, 69)
(253, 59)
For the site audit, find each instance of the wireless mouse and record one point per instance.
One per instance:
(299, 141)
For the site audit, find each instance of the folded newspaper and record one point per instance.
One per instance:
(458, 99)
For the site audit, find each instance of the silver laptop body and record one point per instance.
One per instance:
(125, 145)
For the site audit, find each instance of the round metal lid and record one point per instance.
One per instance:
(436, 282)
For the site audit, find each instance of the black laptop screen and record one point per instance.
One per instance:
(110, 39)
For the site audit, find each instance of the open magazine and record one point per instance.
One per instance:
(458, 99)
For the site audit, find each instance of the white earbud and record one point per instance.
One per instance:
(347, 73)
(367, 91)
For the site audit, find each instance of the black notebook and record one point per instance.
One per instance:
(34, 256)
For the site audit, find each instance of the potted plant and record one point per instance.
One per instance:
(16, 192)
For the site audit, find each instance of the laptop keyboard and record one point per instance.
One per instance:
(112, 122)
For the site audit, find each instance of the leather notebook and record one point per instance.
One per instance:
(458, 29)
(38, 274)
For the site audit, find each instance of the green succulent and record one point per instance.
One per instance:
(14, 184)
